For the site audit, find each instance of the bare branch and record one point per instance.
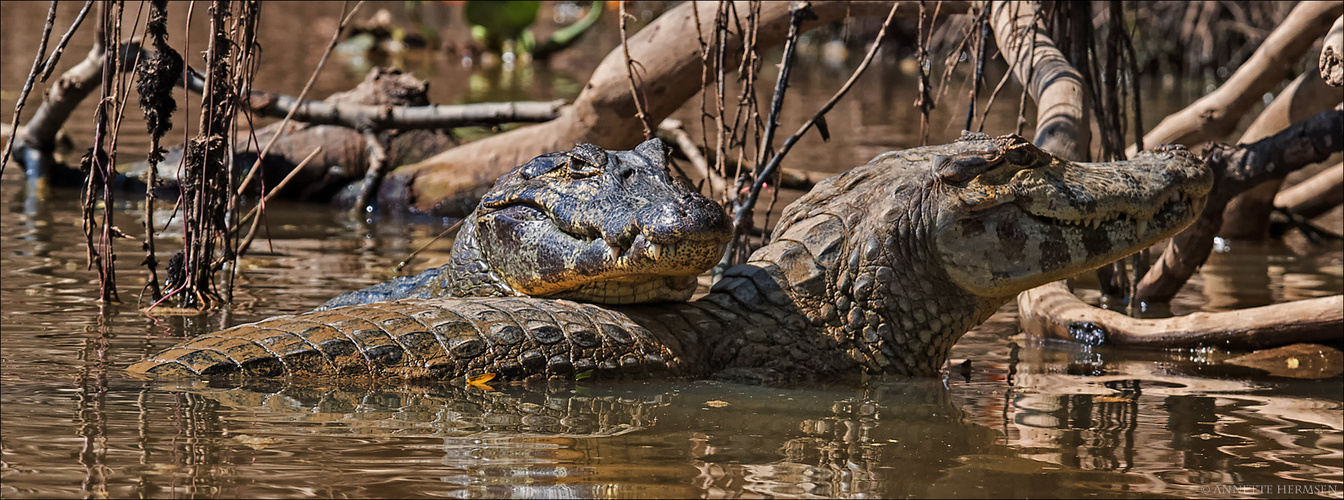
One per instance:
(1236, 170)
(28, 84)
(1216, 114)
(1316, 195)
(1052, 311)
(377, 118)
(1056, 86)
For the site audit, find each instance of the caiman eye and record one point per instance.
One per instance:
(959, 169)
(580, 169)
(1022, 155)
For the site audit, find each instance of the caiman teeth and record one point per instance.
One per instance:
(611, 250)
(655, 251)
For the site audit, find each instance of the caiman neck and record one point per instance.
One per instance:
(880, 305)
(867, 278)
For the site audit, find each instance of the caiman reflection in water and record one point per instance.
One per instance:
(892, 438)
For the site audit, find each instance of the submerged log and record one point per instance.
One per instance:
(344, 158)
(1304, 361)
(1052, 311)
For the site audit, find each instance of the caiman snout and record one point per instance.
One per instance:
(689, 217)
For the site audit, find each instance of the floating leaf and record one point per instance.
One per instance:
(716, 403)
(478, 381)
(586, 374)
(254, 442)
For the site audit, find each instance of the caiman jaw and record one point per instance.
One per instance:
(1140, 220)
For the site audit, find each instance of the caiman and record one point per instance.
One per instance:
(880, 269)
(609, 227)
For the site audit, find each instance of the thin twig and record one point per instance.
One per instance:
(242, 248)
(397, 269)
(28, 84)
(740, 215)
(635, 94)
(65, 40)
(982, 27)
(799, 11)
(335, 37)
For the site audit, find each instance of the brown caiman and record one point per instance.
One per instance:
(609, 227)
(879, 269)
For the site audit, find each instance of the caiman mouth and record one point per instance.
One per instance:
(1153, 216)
(579, 262)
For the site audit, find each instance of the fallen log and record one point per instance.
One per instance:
(345, 155)
(668, 52)
(1052, 311)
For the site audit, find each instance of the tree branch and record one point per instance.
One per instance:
(1056, 86)
(1237, 169)
(450, 183)
(1331, 63)
(1247, 215)
(1052, 311)
(1216, 114)
(377, 118)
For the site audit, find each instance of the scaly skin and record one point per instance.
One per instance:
(879, 269)
(609, 227)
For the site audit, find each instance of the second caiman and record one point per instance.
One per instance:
(880, 269)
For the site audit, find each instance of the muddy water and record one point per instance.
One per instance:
(1030, 419)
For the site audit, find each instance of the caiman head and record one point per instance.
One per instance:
(900, 257)
(1013, 216)
(612, 227)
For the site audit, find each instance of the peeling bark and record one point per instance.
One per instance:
(1331, 63)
